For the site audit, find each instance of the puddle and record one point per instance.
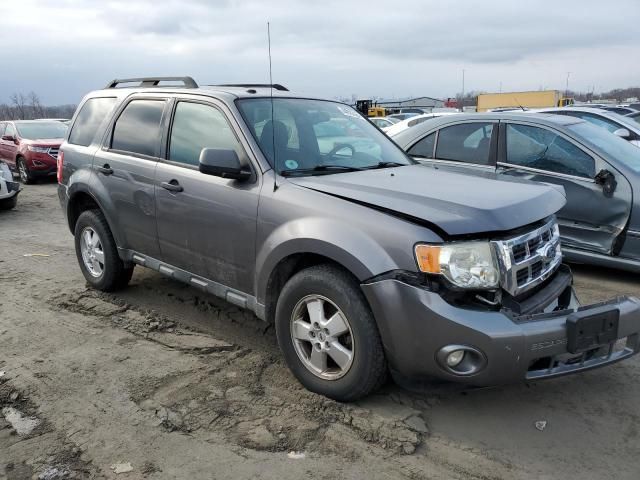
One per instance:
(21, 424)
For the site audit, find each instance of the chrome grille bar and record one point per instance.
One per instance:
(542, 256)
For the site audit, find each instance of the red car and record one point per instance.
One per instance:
(30, 147)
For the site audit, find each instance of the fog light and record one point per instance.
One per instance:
(454, 358)
(461, 359)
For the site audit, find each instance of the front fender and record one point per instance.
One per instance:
(331, 238)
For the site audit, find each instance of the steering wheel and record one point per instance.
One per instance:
(340, 146)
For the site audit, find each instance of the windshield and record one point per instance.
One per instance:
(612, 146)
(316, 134)
(35, 130)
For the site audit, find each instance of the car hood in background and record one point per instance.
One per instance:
(49, 142)
(459, 204)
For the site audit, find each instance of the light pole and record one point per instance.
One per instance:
(462, 100)
(566, 90)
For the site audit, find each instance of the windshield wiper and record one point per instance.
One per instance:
(386, 165)
(319, 169)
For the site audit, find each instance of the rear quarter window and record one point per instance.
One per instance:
(90, 117)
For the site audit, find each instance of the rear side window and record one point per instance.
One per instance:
(2, 127)
(11, 130)
(466, 142)
(424, 148)
(542, 149)
(197, 126)
(89, 119)
(137, 130)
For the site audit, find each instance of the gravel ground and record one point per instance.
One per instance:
(162, 381)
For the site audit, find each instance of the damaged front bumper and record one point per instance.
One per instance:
(418, 328)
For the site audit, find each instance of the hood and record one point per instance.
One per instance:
(45, 142)
(458, 204)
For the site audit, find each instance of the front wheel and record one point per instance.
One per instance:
(97, 253)
(25, 174)
(328, 336)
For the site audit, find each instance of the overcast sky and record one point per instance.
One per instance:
(62, 49)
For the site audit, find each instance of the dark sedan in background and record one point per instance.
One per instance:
(600, 223)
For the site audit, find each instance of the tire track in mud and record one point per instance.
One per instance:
(32, 448)
(248, 397)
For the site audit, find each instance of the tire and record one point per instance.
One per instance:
(26, 176)
(9, 203)
(340, 298)
(110, 272)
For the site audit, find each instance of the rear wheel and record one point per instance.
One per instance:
(328, 336)
(25, 174)
(97, 253)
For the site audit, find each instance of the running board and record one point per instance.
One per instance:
(229, 294)
(591, 258)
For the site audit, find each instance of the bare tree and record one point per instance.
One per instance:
(37, 110)
(19, 102)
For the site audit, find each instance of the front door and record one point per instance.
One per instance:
(593, 216)
(206, 224)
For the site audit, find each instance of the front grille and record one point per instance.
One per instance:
(53, 151)
(528, 260)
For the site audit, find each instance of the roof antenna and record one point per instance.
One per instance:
(273, 125)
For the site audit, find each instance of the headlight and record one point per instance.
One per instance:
(465, 264)
(34, 148)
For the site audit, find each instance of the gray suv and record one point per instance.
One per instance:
(303, 212)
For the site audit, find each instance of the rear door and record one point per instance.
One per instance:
(206, 224)
(125, 169)
(466, 146)
(592, 219)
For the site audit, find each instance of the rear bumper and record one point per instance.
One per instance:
(415, 324)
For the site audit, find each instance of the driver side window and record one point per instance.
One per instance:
(542, 149)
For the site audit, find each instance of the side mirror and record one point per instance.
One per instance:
(608, 182)
(9, 138)
(622, 133)
(222, 163)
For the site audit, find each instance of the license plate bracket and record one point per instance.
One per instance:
(586, 331)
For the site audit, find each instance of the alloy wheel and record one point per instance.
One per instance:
(22, 170)
(322, 337)
(92, 252)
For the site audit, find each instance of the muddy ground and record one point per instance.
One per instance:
(161, 381)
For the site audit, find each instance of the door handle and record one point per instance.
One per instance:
(105, 169)
(172, 186)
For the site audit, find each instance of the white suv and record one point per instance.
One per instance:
(8, 188)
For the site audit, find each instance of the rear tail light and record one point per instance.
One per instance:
(60, 165)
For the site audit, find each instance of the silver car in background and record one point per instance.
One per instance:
(619, 125)
(600, 224)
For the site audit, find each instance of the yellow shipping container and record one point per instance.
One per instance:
(539, 99)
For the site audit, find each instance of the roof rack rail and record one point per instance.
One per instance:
(276, 86)
(153, 81)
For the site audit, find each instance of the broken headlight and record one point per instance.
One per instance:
(465, 264)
